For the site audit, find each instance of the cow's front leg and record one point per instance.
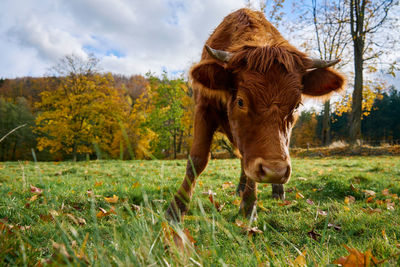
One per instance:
(199, 155)
(242, 182)
(278, 191)
(248, 206)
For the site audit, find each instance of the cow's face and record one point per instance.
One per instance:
(261, 109)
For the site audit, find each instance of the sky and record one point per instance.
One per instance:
(128, 36)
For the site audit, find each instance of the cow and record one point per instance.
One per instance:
(248, 85)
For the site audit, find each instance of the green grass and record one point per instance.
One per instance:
(136, 237)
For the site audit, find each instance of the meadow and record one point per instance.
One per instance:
(104, 213)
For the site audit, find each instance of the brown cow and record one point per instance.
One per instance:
(248, 85)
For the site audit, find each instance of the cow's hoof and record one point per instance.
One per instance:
(173, 215)
(249, 211)
(278, 191)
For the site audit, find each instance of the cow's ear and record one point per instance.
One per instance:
(322, 82)
(211, 75)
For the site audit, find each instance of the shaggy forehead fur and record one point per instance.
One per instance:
(273, 87)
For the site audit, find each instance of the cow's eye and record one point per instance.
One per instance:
(240, 102)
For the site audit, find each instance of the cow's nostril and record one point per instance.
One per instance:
(282, 171)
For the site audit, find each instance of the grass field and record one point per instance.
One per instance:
(68, 213)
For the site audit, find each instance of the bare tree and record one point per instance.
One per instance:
(367, 19)
(332, 38)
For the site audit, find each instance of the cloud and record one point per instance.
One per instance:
(130, 37)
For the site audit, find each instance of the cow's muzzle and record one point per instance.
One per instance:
(269, 171)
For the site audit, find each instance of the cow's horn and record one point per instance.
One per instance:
(319, 63)
(219, 54)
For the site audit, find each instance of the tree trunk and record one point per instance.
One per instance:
(356, 107)
(326, 124)
(74, 153)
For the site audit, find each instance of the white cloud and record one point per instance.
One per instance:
(129, 36)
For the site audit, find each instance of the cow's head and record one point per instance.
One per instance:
(262, 87)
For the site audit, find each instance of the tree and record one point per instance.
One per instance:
(166, 117)
(304, 131)
(367, 17)
(83, 111)
(18, 144)
(329, 20)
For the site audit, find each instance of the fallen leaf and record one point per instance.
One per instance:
(290, 190)
(33, 198)
(216, 204)
(60, 248)
(369, 193)
(227, 185)
(353, 188)
(336, 227)
(135, 207)
(113, 199)
(314, 235)
(370, 199)
(103, 213)
(321, 212)
(247, 229)
(310, 202)
(97, 184)
(36, 190)
(299, 195)
(370, 210)
(135, 185)
(384, 235)
(284, 203)
(172, 238)
(385, 192)
(300, 261)
(236, 202)
(357, 258)
(389, 205)
(349, 200)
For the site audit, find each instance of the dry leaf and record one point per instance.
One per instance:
(299, 195)
(349, 200)
(336, 227)
(215, 203)
(36, 190)
(300, 261)
(284, 203)
(310, 202)
(321, 212)
(227, 185)
(247, 229)
(353, 188)
(384, 235)
(103, 213)
(370, 210)
(236, 202)
(113, 199)
(314, 235)
(357, 258)
(385, 192)
(33, 198)
(97, 184)
(370, 199)
(389, 205)
(369, 193)
(135, 185)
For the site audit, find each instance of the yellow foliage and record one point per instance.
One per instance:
(370, 92)
(80, 112)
